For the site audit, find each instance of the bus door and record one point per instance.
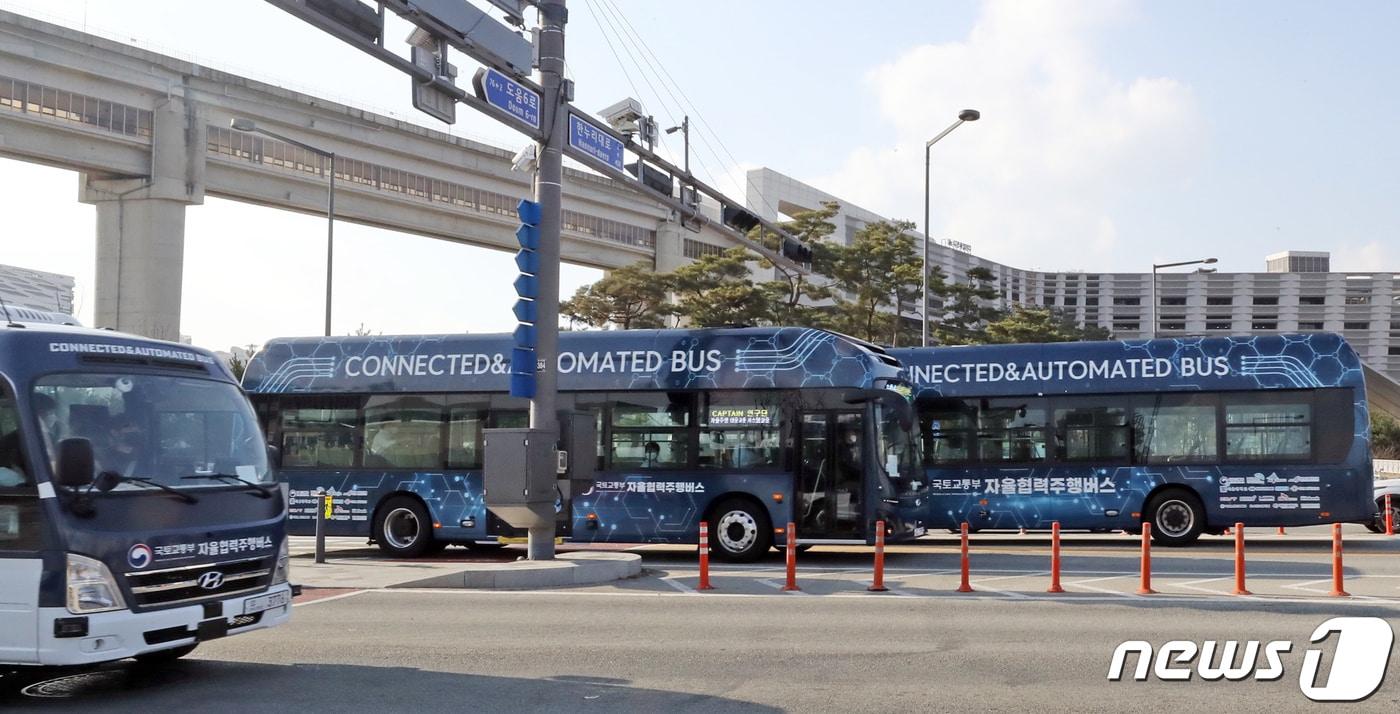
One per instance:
(831, 475)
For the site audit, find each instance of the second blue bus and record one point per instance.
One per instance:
(1190, 435)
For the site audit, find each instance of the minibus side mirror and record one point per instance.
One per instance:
(274, 456)
(75, 463)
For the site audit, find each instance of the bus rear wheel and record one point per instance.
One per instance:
(742, 532)
(1177, 518)
(1377, 524)
(403, 529)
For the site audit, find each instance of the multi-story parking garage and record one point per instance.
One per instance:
(1296, 292)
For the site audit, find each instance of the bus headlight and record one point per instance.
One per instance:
(284, 565)
(91, 587)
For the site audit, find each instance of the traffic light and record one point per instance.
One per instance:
(738, 218)
(522, 356)
(797, 251)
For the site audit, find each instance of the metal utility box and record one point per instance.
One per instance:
(520, 467)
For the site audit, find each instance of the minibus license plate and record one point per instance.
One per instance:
(266, 602)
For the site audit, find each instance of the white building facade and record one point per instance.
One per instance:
(1295, 294)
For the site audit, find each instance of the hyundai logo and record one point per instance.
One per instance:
(211, 580)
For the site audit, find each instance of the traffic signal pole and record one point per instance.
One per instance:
(549, 178)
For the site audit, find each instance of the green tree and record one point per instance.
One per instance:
(629, 297)
(1028, 324)
(875, 275)
(719, 290)
(1385, 436)
(965, 311)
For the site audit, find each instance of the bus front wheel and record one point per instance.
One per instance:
(403, 529)
(742, 532)
(1177, 518)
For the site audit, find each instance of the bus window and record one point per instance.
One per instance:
(740, 431)
(12, 470)
(949, 427)
(403, 432)
(320, 434)
(464, 425)
(650, 430)
(1011, 430)
(1175, 429)
(1272, 427)
(1092, 432)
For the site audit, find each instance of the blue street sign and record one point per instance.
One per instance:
(524, 310)
(588, 138)
(508, 95)
(529, 212)
(528, 236)
(528, 261)
(525, 336)
(527, 286)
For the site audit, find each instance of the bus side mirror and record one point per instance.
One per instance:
(274, 456)
(75, 463)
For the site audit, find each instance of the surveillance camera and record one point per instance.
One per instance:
(624, 115)
(524, 159)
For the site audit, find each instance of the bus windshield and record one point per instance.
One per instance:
(169, 430)
(898, 455)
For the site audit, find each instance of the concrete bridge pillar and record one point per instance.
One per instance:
(141, 227)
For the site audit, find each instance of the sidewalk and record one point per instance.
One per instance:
(350, 564)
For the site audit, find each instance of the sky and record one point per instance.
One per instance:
(1114, 134)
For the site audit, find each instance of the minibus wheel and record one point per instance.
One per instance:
(741, 530)
(1177, 517)
(402, 528)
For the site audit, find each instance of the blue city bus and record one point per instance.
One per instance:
(1191, 435)
(138, 514)
(745, 428)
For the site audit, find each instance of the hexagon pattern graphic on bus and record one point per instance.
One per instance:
(600, 360)
(452, 498)
(1083, 496)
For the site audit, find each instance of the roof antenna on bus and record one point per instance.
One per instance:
(9, 321)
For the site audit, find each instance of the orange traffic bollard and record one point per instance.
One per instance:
(1055, 558)
(965, 587)
(791, 557)
(1239, 561)
(1337, 590)
(1145, 588)
(704, 558)
(1389, 517)
(878, 585)
(1280, 531)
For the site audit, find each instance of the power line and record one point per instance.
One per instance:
(693, 108)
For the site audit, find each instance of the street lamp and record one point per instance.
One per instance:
(1158, 266)
(684, 129)
(247, 126)
(965, 115)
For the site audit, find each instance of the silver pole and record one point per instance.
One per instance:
(330, 242)
(927, 146)
(548, 190)
(924, 309)
(1154, 302)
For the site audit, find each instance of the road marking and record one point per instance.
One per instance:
(1194, 585)
(874, 597)
(677, 585)
(329, 598)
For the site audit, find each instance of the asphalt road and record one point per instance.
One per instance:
(647, 645)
